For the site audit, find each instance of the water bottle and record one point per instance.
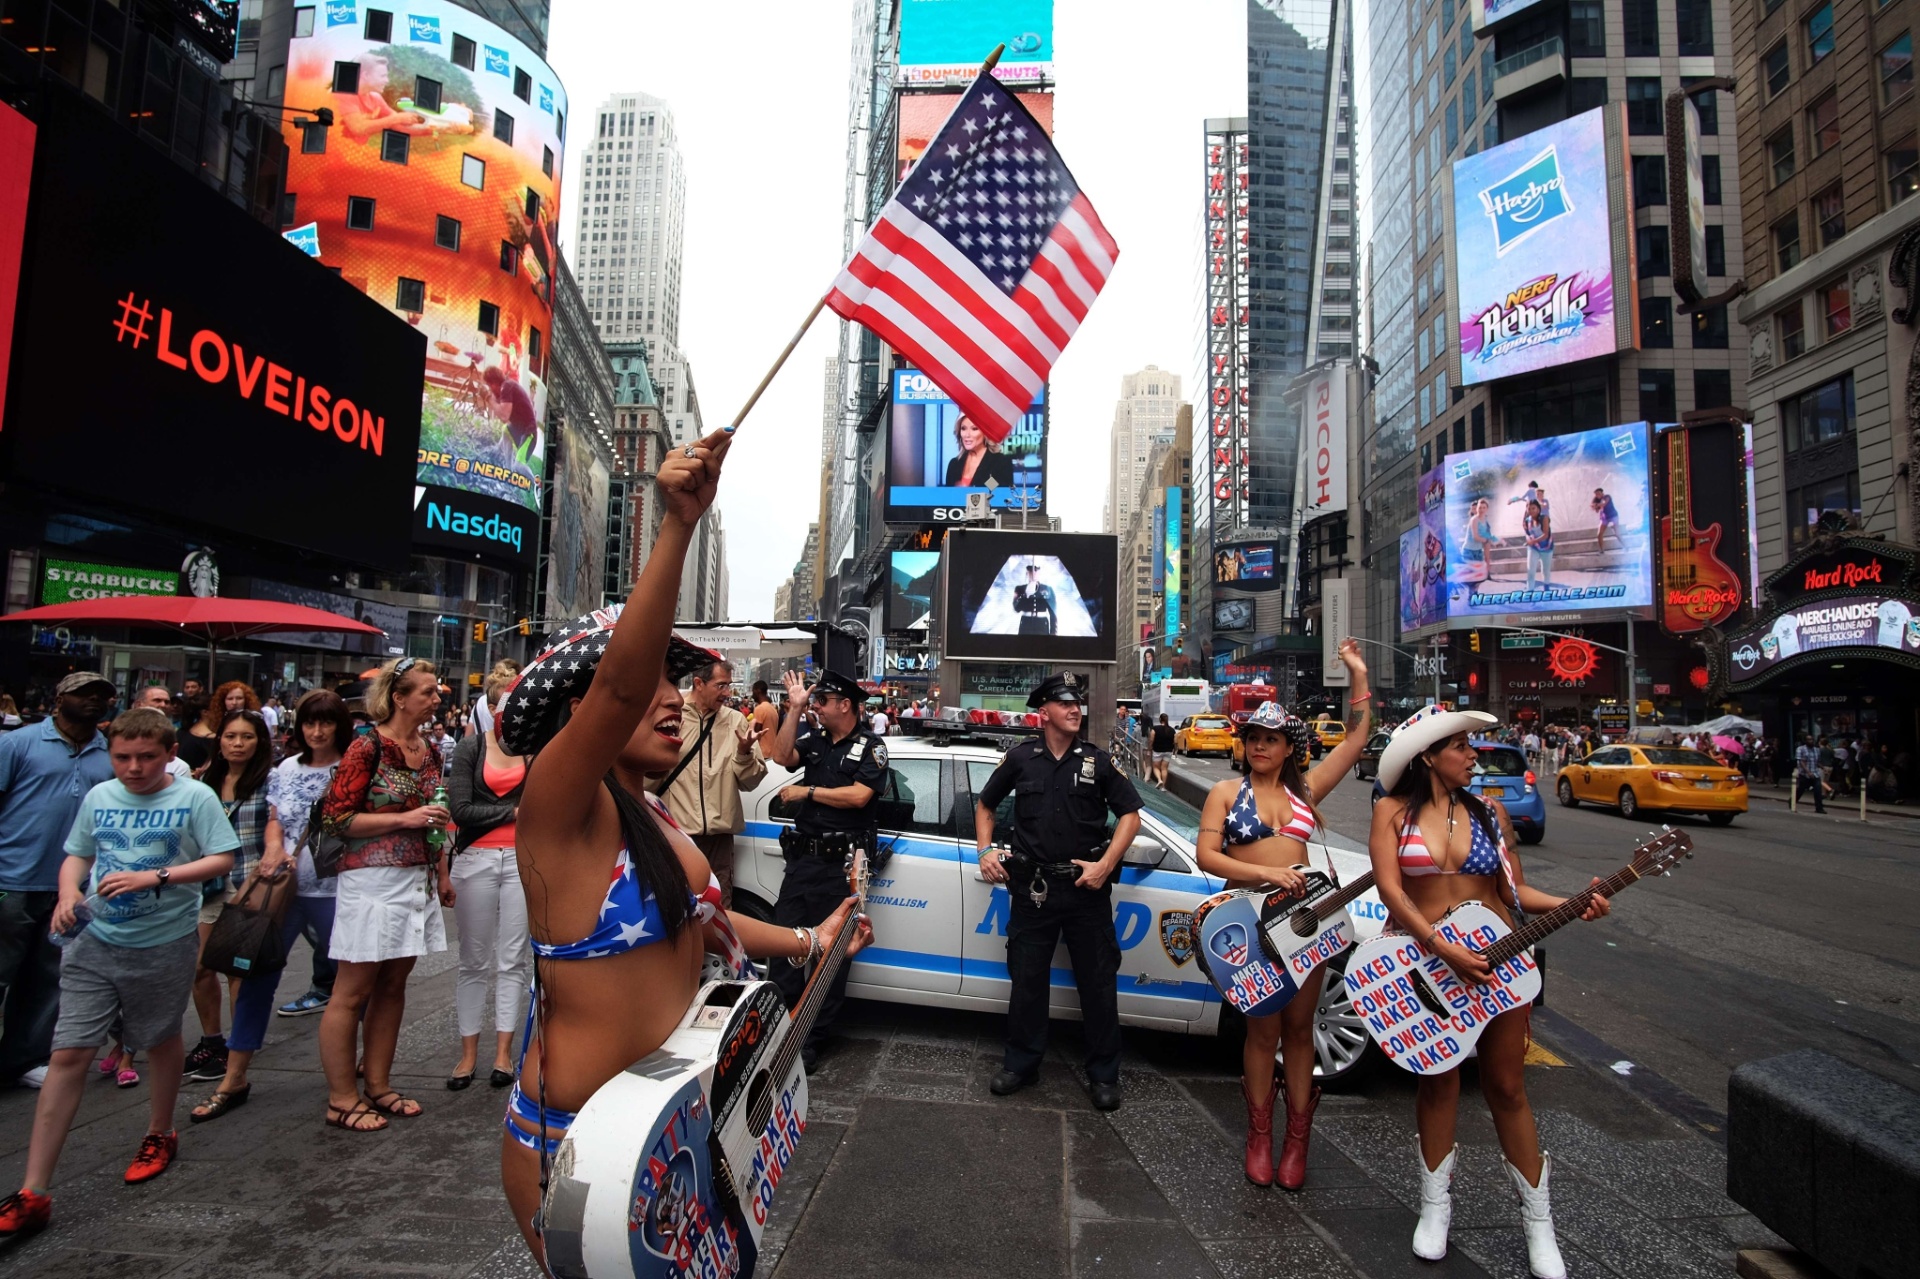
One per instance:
(437, 835)
(82, 916)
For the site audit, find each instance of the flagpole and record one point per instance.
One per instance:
(985, 67)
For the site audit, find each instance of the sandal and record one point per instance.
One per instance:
(220, 1103)
(351, 1118)
(396, 1107)
(127, 1078)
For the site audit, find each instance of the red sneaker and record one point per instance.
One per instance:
(157, 1150)
(24, 1213)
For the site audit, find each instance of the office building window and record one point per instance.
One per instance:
(394, 146)
(1656, 323)
(1820, 33)
(1706, 106)
(410, 295)
(1650, 245)
(1479, 426)
(1786, 242)
(503, 126)
(1459, 435)
(1710, 329)
(1712, 388)
(1823, 125)
(1896, 68)
(379, 25)
(446, 232)
(522, 85)
(463, 51)
(1716, 250)
(1649, 181)
(1710, 178)
(473, 172)
(546, 161)
(1774, 68)
(346, 77)
(1696, 27)
(1584, 93)
(1586, 29)
(1821, 456)
(1830, 214)
(1780, 154)
(1836, 308)
(1646, 113)
(1640, 23)
(303, 22)
(313, 138)
(426, 93)
(1657, 403)
(1793, 331)
(360, 212)
(489, 321)
(1903, 170)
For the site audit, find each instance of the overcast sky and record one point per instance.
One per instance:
(759, 93)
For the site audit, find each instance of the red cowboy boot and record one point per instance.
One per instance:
(1260, 1135)
(1292, 1173)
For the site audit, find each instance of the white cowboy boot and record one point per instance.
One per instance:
(1536, 1216)
(1436, 1207)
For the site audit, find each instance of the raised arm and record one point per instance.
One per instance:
(1359, 717)
(782, 751)
(571, 766)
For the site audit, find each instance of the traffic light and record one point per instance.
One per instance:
(526, 626)
(479, 632)
(1473, 640)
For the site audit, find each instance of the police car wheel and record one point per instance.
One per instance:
(752, 907)
(1340, 1042)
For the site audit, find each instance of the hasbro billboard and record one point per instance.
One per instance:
(1533, 255)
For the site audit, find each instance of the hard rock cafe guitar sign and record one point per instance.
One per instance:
(1697, 589)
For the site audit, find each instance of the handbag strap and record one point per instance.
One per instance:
(699, 744)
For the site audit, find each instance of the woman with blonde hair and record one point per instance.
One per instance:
(393, 881)
(483, 792)
(980, 463)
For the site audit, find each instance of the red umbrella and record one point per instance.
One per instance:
(211, 620)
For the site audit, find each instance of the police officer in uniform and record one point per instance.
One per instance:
(1060, 876)
(845, 767)
(1034, 603)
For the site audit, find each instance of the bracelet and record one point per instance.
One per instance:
(1364, 697)
(805, 938)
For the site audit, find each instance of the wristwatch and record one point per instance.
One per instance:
(164, 875)
(810, 791)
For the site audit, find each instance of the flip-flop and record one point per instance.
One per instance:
(381, 1104)
(349, 1117)
(220, 1103)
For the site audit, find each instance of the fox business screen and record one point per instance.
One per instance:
(1031, 597)
(936, 457)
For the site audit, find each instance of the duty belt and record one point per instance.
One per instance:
(1036, 875)
(831, 848)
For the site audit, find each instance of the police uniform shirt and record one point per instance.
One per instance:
(858, 757)
(1060, 805)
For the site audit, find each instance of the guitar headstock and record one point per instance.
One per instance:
(859, 879)
(1663, 850)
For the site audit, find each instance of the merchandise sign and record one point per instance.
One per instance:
(937, 457)
(1423, 556)
(1860, 621)
(126, 338)
(486, 306)
(65, 581)
(1176, 520)
(945, 41)
(1533, 254)
(1553, 525)
(1323, 442)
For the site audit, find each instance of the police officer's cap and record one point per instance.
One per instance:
(834, 684)
(1065, 687)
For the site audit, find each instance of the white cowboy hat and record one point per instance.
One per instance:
(1421, 731)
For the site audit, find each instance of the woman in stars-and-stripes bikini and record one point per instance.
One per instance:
(1253, 833)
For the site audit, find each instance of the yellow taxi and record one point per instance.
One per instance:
(1328, 733)
(1632, 777)
(1204, 735)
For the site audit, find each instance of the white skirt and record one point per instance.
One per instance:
(386, 912)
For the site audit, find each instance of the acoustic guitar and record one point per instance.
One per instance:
(1697, 589)
(1256, 945)
(1424, 1017)
(671, 1167)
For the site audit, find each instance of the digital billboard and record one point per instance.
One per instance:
(1250, 566)
(1488, 13)
(1176, 521)
(936, 456)
(1533, 261)
(1555, 525)
(1423, 556)
(1702, 497)
(577, 556)
(945, 41)
(470, 524)
(1233, 615)
(1032, 597)
(16, 177)
(177, 329)
(439, 187)
(922, 114)
(912, 579)
(1859, 621)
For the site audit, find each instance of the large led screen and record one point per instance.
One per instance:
(936, 457)
(1423, 556)
(912, 579)
(922, 114)
(1533, 252)
(1555, 525)
(158, 339)
(1248, 566)
(439, 188)
(16, 176)
(945, 41)
(1031, 597)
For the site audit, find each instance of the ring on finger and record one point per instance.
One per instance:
(689, 451)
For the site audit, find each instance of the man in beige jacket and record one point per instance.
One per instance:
(719, 758)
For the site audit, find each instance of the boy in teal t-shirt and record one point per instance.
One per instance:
(143, 844)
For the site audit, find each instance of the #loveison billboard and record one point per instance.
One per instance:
(1533, 265)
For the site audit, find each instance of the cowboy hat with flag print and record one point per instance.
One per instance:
(530, 709)
(1272, 715)
(1422, 731)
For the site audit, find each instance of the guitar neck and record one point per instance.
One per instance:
(803, 1018)
(1679, 488)
(1326, 906)
(1552, 921)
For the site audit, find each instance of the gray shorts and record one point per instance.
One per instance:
(146, 989)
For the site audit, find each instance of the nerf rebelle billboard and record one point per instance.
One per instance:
(438, 191)
(1534, 267)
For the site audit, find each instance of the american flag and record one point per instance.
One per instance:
(984, 262)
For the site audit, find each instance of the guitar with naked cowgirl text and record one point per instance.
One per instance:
(671, 1167)
(1424, 1016)
(1256, 945)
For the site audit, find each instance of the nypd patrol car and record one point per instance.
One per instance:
(940, 929)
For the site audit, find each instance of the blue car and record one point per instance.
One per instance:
(1503, 775)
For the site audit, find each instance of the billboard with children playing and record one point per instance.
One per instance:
(438, 184)
(1556, 525)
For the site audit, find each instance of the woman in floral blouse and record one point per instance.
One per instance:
(392, 884)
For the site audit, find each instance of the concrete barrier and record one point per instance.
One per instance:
(1827, 1156)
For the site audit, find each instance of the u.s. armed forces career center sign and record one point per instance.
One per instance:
(64, 581)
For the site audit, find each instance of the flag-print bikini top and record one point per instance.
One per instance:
(1245, 825)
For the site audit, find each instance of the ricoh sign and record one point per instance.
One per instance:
(1323, 442)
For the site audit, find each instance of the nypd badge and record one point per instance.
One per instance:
(1176, 935)
(880, 754)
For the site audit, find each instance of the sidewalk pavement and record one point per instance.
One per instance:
(1781, 794)
(910, 1166)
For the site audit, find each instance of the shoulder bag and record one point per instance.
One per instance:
(245, 940)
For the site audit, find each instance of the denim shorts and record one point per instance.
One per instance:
(145, 988)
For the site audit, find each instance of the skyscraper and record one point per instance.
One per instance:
(628, 234)
(1142, 418)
